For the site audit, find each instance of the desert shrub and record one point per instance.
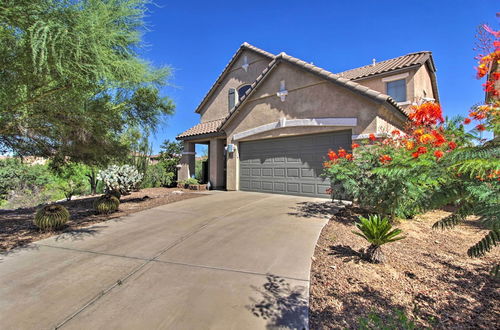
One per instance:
(377, 231)
(157, 176)
(189, 181)
(394, 321)
(24, 185)
(51, 217)
(106, 204)
(123, 178)
(394, 175)
(72, 179)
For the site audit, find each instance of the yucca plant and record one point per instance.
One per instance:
(377, 231)
(106, 204)
(51, 217)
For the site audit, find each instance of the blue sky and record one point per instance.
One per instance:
(197, 39)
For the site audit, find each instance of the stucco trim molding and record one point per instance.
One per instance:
(283, 122)
(366, 136)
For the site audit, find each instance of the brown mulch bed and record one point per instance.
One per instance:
(17, 228)
(428, 276)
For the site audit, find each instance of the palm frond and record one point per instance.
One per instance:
(485, 245)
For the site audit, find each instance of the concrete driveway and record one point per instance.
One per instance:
(230, 260)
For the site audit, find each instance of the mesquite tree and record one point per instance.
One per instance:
(72, 80)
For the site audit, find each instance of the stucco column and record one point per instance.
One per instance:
(187, 162)
(232, 175)
(216, 163)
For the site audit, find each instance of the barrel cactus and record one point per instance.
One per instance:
(51, 217)
(115, 193)
(106, 204)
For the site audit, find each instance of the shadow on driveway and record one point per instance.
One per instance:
(282, 305)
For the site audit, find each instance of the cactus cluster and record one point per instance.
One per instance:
(51, 217)
(106, 204)
(120, 178)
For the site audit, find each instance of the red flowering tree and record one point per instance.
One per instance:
(432, 162)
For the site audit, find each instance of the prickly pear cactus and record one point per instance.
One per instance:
(106, 204)
(120, 178)
(51, 217)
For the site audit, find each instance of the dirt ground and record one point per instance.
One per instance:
(428, 276)
(17, 228)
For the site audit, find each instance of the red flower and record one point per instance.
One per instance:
(452, 145)
(480, 127)
(438, 154)
(355, 145)
(467, 121)
(396, 132)
(415, 154)
(438, 138)
(342, 153)
(372, 137)
(427, 114)
(422, 150)
(384, 159)
(348, 156)
(332, 155)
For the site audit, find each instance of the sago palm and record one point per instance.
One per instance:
(377, 231)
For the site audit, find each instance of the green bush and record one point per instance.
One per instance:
(377, 231)
(106, 204)
(51, 217)
(189, 181)
(157, 176)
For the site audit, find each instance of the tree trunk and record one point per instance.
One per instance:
(375, 254)
(93, 181)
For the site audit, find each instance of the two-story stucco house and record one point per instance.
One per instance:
(269, 120)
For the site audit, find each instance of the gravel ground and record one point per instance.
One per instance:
(428, 276)
(17, 228)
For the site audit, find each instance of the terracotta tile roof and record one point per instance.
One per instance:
(243, 46)
(344, 82)
(400, 62)
(203, 128)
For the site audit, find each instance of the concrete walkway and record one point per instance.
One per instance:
(230, 260)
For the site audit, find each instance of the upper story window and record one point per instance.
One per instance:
(234, 96)
(397, 90)
(242, 90)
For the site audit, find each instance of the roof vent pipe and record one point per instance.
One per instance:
(373, 62)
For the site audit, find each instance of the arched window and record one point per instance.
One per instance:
(234, 96)
(242, 90)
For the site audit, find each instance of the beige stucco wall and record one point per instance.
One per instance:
(377, 84)
(217, 105)
(417, 82)
(308, 97)
(422, 82)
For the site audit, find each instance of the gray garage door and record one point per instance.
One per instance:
(291, 165)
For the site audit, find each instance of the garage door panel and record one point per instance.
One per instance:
(267, 186)
(267, 172)
(292, 172)
(279, 172)
(291, 165)
(308, 188)
(292, 187)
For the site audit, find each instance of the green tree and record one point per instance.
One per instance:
(72, 79)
